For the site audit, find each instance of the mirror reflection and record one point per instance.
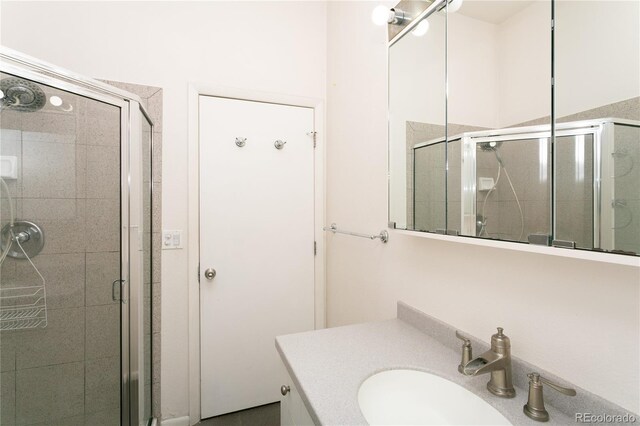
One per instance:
(504, 164)
(499, 71)
(417, 110)
(597, 195)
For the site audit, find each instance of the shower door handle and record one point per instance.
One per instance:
(117, 284)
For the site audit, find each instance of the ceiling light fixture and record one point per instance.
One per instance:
(382, 15)
(421, 29)
(453, 6)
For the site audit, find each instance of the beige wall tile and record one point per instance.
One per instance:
(103, 418)
(50, 126)
(8, 398)
(103, 172)
(63, 223)
(49, 393)
(102, 269)
(157, 156)
(103, 225)
(62, 341)
(102, 385)
(154, 104)
(99, 124)
(48, 170)
(7, 351)
(64, 275)
(11, 120)
(102, 331)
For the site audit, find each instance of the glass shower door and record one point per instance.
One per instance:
(429, 187)
(60, 214)
(512, 184)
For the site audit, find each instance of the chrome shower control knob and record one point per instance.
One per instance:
(23, 240)
(279, 144)
(210, 273)
(284, 389)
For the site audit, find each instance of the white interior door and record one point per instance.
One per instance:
(257, 233)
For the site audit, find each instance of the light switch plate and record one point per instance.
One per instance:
(171, 239)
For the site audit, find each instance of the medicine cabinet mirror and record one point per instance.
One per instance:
(517, 121)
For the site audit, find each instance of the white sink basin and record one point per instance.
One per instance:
(411, 397)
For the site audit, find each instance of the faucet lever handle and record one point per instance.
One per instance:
(534, 408)
(535, 377)
(467, 352)
(466, 341)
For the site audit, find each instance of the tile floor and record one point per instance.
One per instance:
(265, 415)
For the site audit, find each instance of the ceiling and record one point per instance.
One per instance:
(493, 11)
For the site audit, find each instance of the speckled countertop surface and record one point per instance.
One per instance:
(328, 366)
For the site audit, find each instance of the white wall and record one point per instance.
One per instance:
(575, 318)
(268, 46)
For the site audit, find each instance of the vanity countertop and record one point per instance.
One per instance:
(328, 366)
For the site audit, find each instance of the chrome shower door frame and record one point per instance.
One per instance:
(469, 169)
(607, 187)
(601, 140)
(16, 63)
(135, 230)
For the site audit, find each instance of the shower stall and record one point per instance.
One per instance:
(514, 184)
(75, 253)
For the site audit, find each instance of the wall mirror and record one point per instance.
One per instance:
(518, 121)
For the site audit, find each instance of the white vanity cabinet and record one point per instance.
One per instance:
(292, 409)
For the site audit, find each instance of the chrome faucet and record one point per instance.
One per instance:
(496, 361)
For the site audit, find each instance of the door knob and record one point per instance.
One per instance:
(284, 389)
(210, 273)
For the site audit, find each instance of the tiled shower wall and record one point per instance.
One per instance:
(531, 183)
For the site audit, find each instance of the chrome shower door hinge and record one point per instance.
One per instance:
(315, 248)
(198, 273)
